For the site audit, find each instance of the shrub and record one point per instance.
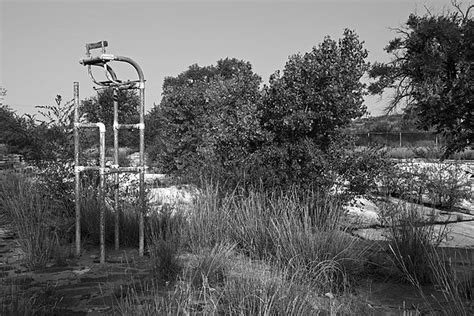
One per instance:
(439, 184)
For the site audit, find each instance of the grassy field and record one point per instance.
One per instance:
(256, 252)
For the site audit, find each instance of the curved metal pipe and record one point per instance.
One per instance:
(110, 74)
(102, 61)
(137, 67)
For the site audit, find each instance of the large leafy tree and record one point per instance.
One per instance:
(216, 120)
(306, 106)
(432, 74)
(318, 92)
(207, 119)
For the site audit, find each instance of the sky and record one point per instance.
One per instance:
(41, 42)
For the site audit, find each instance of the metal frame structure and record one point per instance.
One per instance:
(103, 61)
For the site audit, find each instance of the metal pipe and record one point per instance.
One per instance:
(136, 126)
(101, 126)
(102, 61)
(141, 246)
(76, 171)
(84, 168)
(116, 176)
(116, 169)
(105, 58)
(102, 190)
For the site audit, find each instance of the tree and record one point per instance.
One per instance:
(305, 108)
(432, 73)
(100, 108)
(18, 133)
(207, 119)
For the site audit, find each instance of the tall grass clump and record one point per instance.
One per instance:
(32, 215)
(413, 238)
(18, 303)
(456, 286)
(414, 242)
(90, 213)
(164, 242)
(298, 230)
(220, 281)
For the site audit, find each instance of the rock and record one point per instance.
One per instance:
(459, 235)
(361, 212)
(81, 271)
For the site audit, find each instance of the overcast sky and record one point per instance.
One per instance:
(42, 41)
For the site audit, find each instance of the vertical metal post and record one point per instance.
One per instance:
(400, 139)
(141, 247)
(76, 170)
(102, 192)
(116, 175)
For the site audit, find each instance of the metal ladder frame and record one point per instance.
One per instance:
(103, 61)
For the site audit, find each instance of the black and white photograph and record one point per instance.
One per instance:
(237, 157)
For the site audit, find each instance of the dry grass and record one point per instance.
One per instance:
(297, 231)
(29, 210)
(255, 254)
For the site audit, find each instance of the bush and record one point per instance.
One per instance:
(439, 184)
